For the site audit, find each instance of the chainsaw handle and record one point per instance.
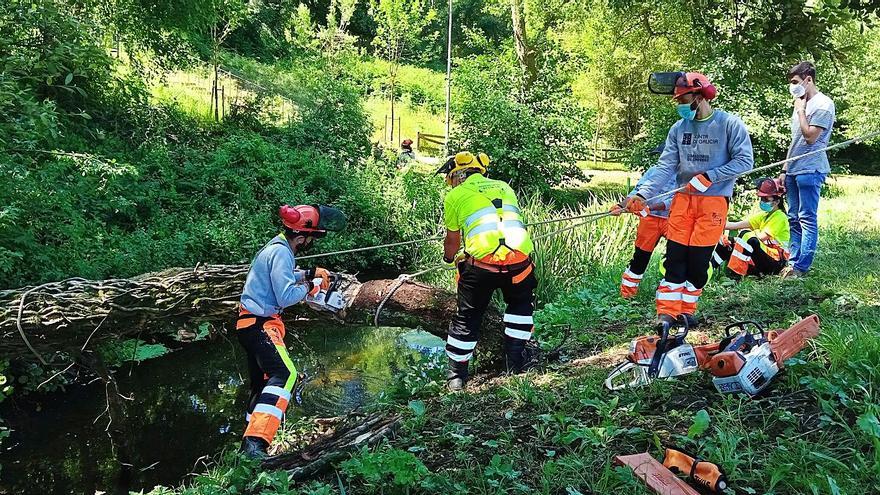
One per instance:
(334, 283)
(743, 327)
(654, 366)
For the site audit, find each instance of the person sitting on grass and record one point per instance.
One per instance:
(761, 248)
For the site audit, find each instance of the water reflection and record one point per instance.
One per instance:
(184, 406)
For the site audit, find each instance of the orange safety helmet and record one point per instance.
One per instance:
(312, 218)
(770, 188)
(681, 83)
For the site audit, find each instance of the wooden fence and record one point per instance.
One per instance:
(431, 141)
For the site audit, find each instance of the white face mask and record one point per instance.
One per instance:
(796, 90)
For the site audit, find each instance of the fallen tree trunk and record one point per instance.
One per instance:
(50, 322)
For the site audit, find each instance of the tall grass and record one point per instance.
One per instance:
(572, 258)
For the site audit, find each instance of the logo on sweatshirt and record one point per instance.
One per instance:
(686, 138)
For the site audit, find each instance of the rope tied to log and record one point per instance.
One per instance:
(398, 283)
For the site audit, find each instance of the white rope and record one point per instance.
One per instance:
(401, 279)
(370, 248)
(597, 215)
(843, 144)
(570, 227)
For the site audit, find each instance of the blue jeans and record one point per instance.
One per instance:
(803, 203)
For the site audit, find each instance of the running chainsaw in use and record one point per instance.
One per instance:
(331, 300)
(745, 360)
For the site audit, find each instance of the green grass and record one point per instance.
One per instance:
(588, 165)
(556, 429)
(413, 119)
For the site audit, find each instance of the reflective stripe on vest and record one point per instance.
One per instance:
(488, 213)
(495, 229)
(508, 226)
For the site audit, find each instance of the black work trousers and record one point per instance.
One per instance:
(475, 288)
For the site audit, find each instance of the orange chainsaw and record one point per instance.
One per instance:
(745, 360)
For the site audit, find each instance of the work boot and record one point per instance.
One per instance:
(254, 447)
(456, 377)
(791, 272)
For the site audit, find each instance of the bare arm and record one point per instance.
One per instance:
(451, 244)
(811, 132)
(744, 224)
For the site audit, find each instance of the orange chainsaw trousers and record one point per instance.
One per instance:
(695, 225)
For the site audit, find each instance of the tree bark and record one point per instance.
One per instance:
(524, 53)
(59, 318)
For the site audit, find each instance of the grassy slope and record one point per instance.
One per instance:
(814, 432)
(556, 430)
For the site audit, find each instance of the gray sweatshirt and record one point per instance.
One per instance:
(273, 283)
(719, 146)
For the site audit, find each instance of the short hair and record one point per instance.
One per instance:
(803, 69)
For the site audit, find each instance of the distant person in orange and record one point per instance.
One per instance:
(652, 226)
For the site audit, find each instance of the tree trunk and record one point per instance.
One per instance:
(524, 52)
(58, 319)
(393, 81)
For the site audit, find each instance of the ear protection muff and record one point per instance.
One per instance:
(708, 91)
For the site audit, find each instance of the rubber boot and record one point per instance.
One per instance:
(254, 447)
(456, 377)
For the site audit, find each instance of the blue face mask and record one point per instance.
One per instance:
(767, 206)
(685, 111)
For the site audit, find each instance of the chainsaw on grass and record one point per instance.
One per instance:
(745, 360)
(331, 300)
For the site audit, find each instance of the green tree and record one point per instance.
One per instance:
(400, 24)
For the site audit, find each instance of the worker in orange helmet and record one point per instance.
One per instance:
(705, 150)
(761, 248)
(274, 283)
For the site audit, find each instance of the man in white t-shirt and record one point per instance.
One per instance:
(811, 124)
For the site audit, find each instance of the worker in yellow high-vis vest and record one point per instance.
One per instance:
(484, 215)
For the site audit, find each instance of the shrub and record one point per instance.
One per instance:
(533, 138)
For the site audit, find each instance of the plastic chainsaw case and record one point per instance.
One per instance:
(655, 475)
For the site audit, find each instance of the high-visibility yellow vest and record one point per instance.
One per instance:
(487, 214)
(775, 225)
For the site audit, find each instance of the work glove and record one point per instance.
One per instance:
(321, 273)
(616, 210)
(312, 288)
(452, 263)
(699, 183)
(636, 205)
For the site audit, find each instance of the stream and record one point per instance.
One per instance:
(186, 407)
